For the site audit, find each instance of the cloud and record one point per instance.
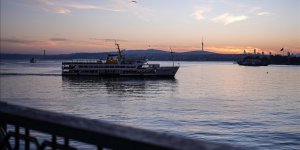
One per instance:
(53, 6)
(263, 13)
(59, 39)
(83, 6)
(108, 40)
(60, 10)
(137, 9)
(253, 9)
(227, 18)
(68, 6)
(199, 12)
(17, 41)
(89, 6)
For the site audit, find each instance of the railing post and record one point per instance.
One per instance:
(3, 132)
(17, 137)
(53, 142)
(27, 139)
(66, 142)
(99, 147)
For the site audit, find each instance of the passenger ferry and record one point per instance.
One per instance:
(254, 60)
(116, 65)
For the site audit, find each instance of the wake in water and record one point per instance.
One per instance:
(22, 68)
(29, 74)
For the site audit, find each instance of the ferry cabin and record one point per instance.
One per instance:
(97, 67)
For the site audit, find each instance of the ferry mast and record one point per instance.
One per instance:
(202, 44)
(118, 47)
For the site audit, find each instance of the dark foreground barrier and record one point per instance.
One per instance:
(101, 134)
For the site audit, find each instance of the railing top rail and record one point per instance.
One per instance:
(98, 132)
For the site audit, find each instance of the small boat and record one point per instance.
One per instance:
(116, 65)
(32, 60)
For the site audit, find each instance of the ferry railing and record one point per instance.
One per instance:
(17, 122)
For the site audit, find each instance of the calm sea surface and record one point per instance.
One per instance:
(250, 107)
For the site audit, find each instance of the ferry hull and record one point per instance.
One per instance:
(160, 72)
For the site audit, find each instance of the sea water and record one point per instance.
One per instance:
(248, 107)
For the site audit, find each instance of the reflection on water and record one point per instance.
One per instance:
(125, 87)
(215, 101)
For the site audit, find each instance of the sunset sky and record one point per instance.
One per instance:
(227, 26)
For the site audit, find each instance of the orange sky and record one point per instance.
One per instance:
(227, 26)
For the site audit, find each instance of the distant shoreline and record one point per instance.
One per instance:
(151, 55)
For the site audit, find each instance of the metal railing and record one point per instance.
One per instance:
(103, 135)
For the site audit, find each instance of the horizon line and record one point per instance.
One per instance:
(205, 51)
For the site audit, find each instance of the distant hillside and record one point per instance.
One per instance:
(198, 52)
(150, 54)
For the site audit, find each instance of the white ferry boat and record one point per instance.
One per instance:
(116, 65)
